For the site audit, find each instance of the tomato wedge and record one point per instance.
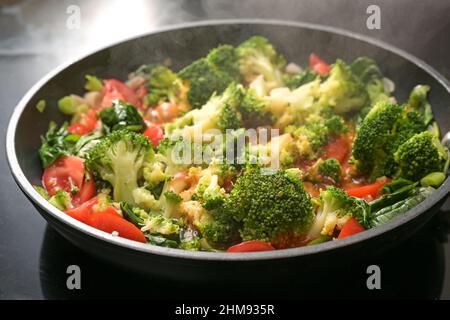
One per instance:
(87, 192)
(117, 90)
(154, 133)
(350, 228)
(66, 174)
(338, 149)
(370, 190)
(319, 65)
(251, 246)
(107, 219)
(86, 125)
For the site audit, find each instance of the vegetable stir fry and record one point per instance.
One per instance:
(241, 151)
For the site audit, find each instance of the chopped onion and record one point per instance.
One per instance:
(293, 68)
(389, 85)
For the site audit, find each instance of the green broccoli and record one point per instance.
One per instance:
(216, 226)
(336, 207)
(342, 90)
(209, 75)
(253, 110)
(162, 83)
(299, 79)
(220, 112)
(122, 115)
(385, 128)
(270, 204)
(257, 56)
(370, 145)
(407, 125)
(119, 159)
(418, 101)
(224, 59)
(331, 169)
(420, 155)
(209, 192)
(61, 200)
(316, 133)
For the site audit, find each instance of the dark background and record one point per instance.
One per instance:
(34, 39)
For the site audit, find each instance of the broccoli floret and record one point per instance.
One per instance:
(342, 90)
(162, 83)
(408, 125)
(330, 168)
(175, 155)
(418, 101)
(292, 107)
(210, 75)
(146, 199)
(420, 155)
(216, 226)
(257, 56)
(220, 112)
(172, 197)
(384, 129)
(269, 204)
(150, 223)
(370, 145)
(61, 200)
(122, 116)
(157, 224)
(209, 192)
(316, 133)
(336, 207)
(253, 110)
(119, 159)
(225, 60)
(301, 78)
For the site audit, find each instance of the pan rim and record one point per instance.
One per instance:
(34, 196)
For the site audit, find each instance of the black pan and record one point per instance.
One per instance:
(182, 44)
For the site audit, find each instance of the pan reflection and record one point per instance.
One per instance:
(415, 269)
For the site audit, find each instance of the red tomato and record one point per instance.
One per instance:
(86, 125)
(65, 174)
(154, 133)
(87, 192)
(165, 112)
(82, 212)
(114, 89)
(108, 220)
(251, 246)
(338, 149)
(319, 65)
(368, 192)
(350, 228)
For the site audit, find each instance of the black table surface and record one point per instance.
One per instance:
(34, 39)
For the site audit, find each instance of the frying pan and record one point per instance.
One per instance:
(183, 44)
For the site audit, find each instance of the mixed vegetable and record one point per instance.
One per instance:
(349, 156)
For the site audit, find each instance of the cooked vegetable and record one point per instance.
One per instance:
(56, 143)
(270, 205)
(241, 152)
(420, 155)
(119, 159)
(336, 208)
(386, 214)
(122, 116)
(257, 56)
